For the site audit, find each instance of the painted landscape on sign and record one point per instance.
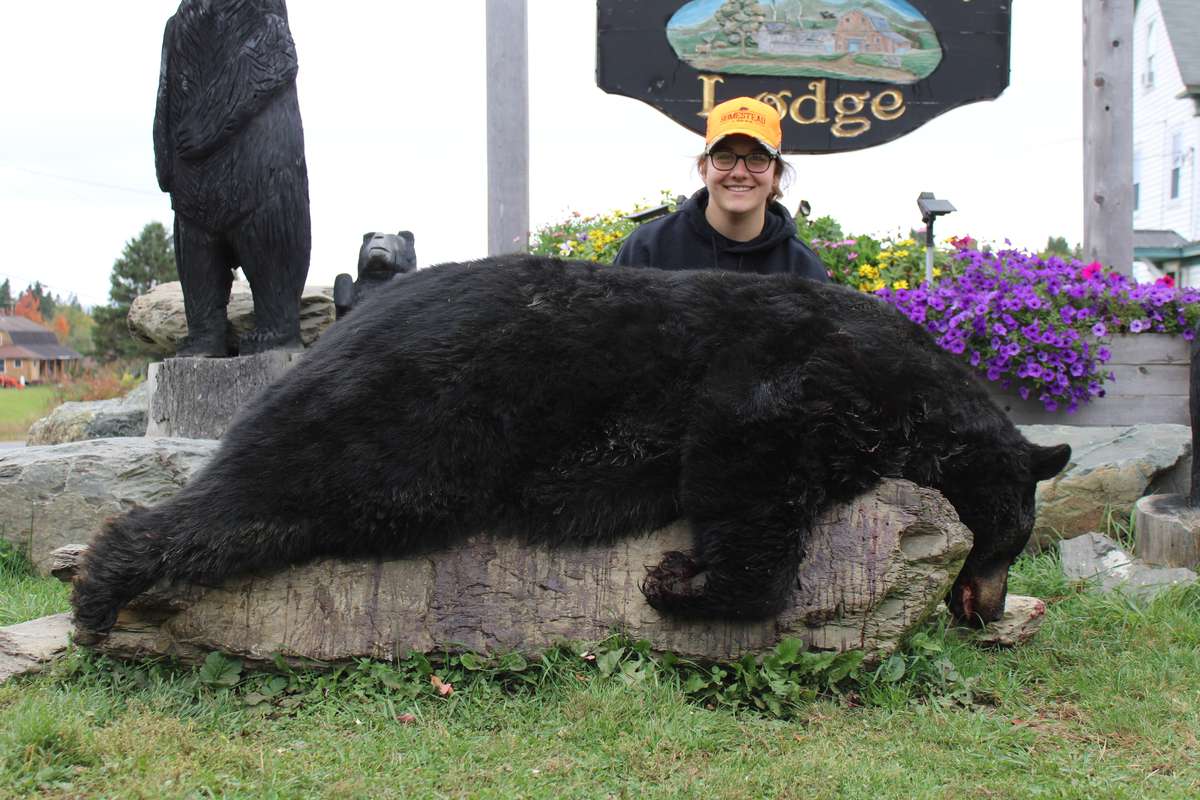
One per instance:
(867, 40)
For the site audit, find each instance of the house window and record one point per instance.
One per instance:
(16, 363)
(1137, 179)
(1176, 164)
(1148, 72)
(2, 367)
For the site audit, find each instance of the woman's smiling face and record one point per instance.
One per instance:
(738, 192)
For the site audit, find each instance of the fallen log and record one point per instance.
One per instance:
(875, 568)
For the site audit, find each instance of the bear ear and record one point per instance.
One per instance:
(1046, 462)
(367, 236)
(406, 236)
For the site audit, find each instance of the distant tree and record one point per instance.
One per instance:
(47, 302)
(740, 20)
(61, 327)
(6, 298)
(79, 326)
(28, 306)
(147, 260)
(1057, 246)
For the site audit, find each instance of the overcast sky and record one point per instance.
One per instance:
(385, 85)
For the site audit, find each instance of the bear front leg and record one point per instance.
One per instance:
(739, 570)
(751, 486)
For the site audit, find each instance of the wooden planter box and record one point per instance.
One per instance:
(1151, 385)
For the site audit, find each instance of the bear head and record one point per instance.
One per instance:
(385, 255)
(993, 492)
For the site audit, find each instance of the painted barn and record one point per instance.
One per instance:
(31, 351)
(860, 31)
(1166, 136)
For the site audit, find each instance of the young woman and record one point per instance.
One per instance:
(734, 222)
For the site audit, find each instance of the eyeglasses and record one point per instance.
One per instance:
(756, 162)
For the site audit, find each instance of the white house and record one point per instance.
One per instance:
(1166, 136)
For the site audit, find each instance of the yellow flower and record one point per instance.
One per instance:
(900, 285)
(937, 272)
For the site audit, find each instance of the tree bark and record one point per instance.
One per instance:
(875, 568)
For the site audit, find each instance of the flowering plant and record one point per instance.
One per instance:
(1040, 323)
(593, 238)
(867, 263)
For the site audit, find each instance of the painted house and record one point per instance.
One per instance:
(779, 38)
(31, 351)
(863, 32)
(1166, 137)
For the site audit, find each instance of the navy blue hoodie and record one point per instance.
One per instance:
(685, 240)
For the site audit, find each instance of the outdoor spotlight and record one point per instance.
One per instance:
(931, 209)
(653, 213)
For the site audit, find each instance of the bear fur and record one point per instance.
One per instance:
(572, 404)
(383, 256)
(229, 147)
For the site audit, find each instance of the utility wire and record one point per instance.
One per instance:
(83, 181)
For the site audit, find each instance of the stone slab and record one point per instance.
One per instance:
(158, 316)
(1106, 567)
(28, 646)
(61, 494)
(1111, 467)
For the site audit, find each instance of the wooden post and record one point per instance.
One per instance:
(1108, 133)
(507, 126)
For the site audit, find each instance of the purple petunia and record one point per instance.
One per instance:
(1034, 322)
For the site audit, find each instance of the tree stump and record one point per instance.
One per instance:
(197, 398)
(875, 568)
(1168, 531)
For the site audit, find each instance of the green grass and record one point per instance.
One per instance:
(20, 408)
(1105, 702)
(23, 595)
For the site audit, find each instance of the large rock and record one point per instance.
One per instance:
(157, 317)
(875, 568)
(1106, 567)
(60, 494)
(95, 419)
(198, 397)
(29, 646)
(1110, 469)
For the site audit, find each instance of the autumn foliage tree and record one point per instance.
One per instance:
(29, 307)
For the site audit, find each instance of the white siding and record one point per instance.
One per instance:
(1159, 115)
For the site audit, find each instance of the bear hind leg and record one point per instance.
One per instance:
(205, 265)
(274, 247)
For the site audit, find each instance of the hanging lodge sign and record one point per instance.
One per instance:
(844, 74)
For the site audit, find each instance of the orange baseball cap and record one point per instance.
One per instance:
(747, 116)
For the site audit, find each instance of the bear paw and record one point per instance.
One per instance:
(256, 341)
(666, 584)
(203, 346)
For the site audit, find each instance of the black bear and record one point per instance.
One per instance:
(573, 404)
(229, 147)
(382, 257)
